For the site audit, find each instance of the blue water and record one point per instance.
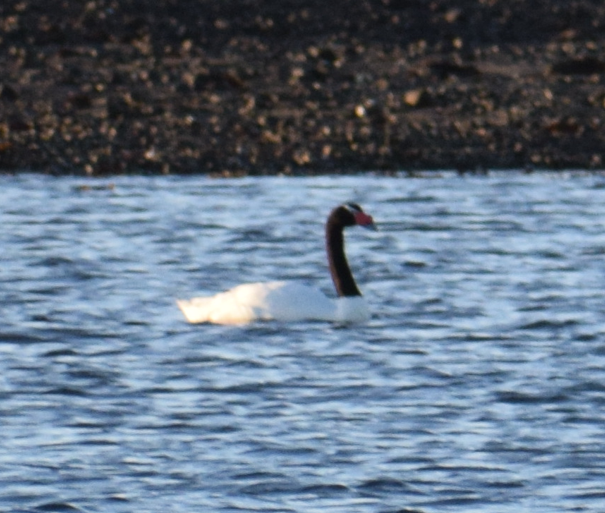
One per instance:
(478, 385)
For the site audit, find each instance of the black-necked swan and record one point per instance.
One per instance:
(291, 301)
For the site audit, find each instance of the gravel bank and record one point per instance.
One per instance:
(300, 86)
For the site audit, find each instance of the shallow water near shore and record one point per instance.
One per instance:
(478, 385)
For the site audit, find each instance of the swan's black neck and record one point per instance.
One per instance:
(339, 267)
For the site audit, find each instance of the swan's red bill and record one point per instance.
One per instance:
(363, 219)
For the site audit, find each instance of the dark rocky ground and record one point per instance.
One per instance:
(287, 86)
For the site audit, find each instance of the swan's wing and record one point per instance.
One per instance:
(292, 301)
(282, 301)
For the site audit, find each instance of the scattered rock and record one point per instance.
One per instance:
(418, 98)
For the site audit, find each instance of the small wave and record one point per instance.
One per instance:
(405, 510)
(513, 397)
(67, 391)
(548, 324)
(57, 506)
(325, 490)
(278, 487)
(385, 485)
(21, 338)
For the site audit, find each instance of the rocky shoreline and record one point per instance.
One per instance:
(242, 87)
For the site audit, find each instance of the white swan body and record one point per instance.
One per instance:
(274, 301)
(290, 301)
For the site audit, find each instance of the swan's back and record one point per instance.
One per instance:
(279, 300)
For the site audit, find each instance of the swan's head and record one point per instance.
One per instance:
(356, 216)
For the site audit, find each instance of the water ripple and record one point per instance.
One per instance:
(476, 386)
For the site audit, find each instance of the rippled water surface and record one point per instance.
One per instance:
(478, 385)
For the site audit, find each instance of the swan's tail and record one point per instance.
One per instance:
(195, 310)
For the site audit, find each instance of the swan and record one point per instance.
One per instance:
(291, 301)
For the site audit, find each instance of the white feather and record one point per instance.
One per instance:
(279, 301)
